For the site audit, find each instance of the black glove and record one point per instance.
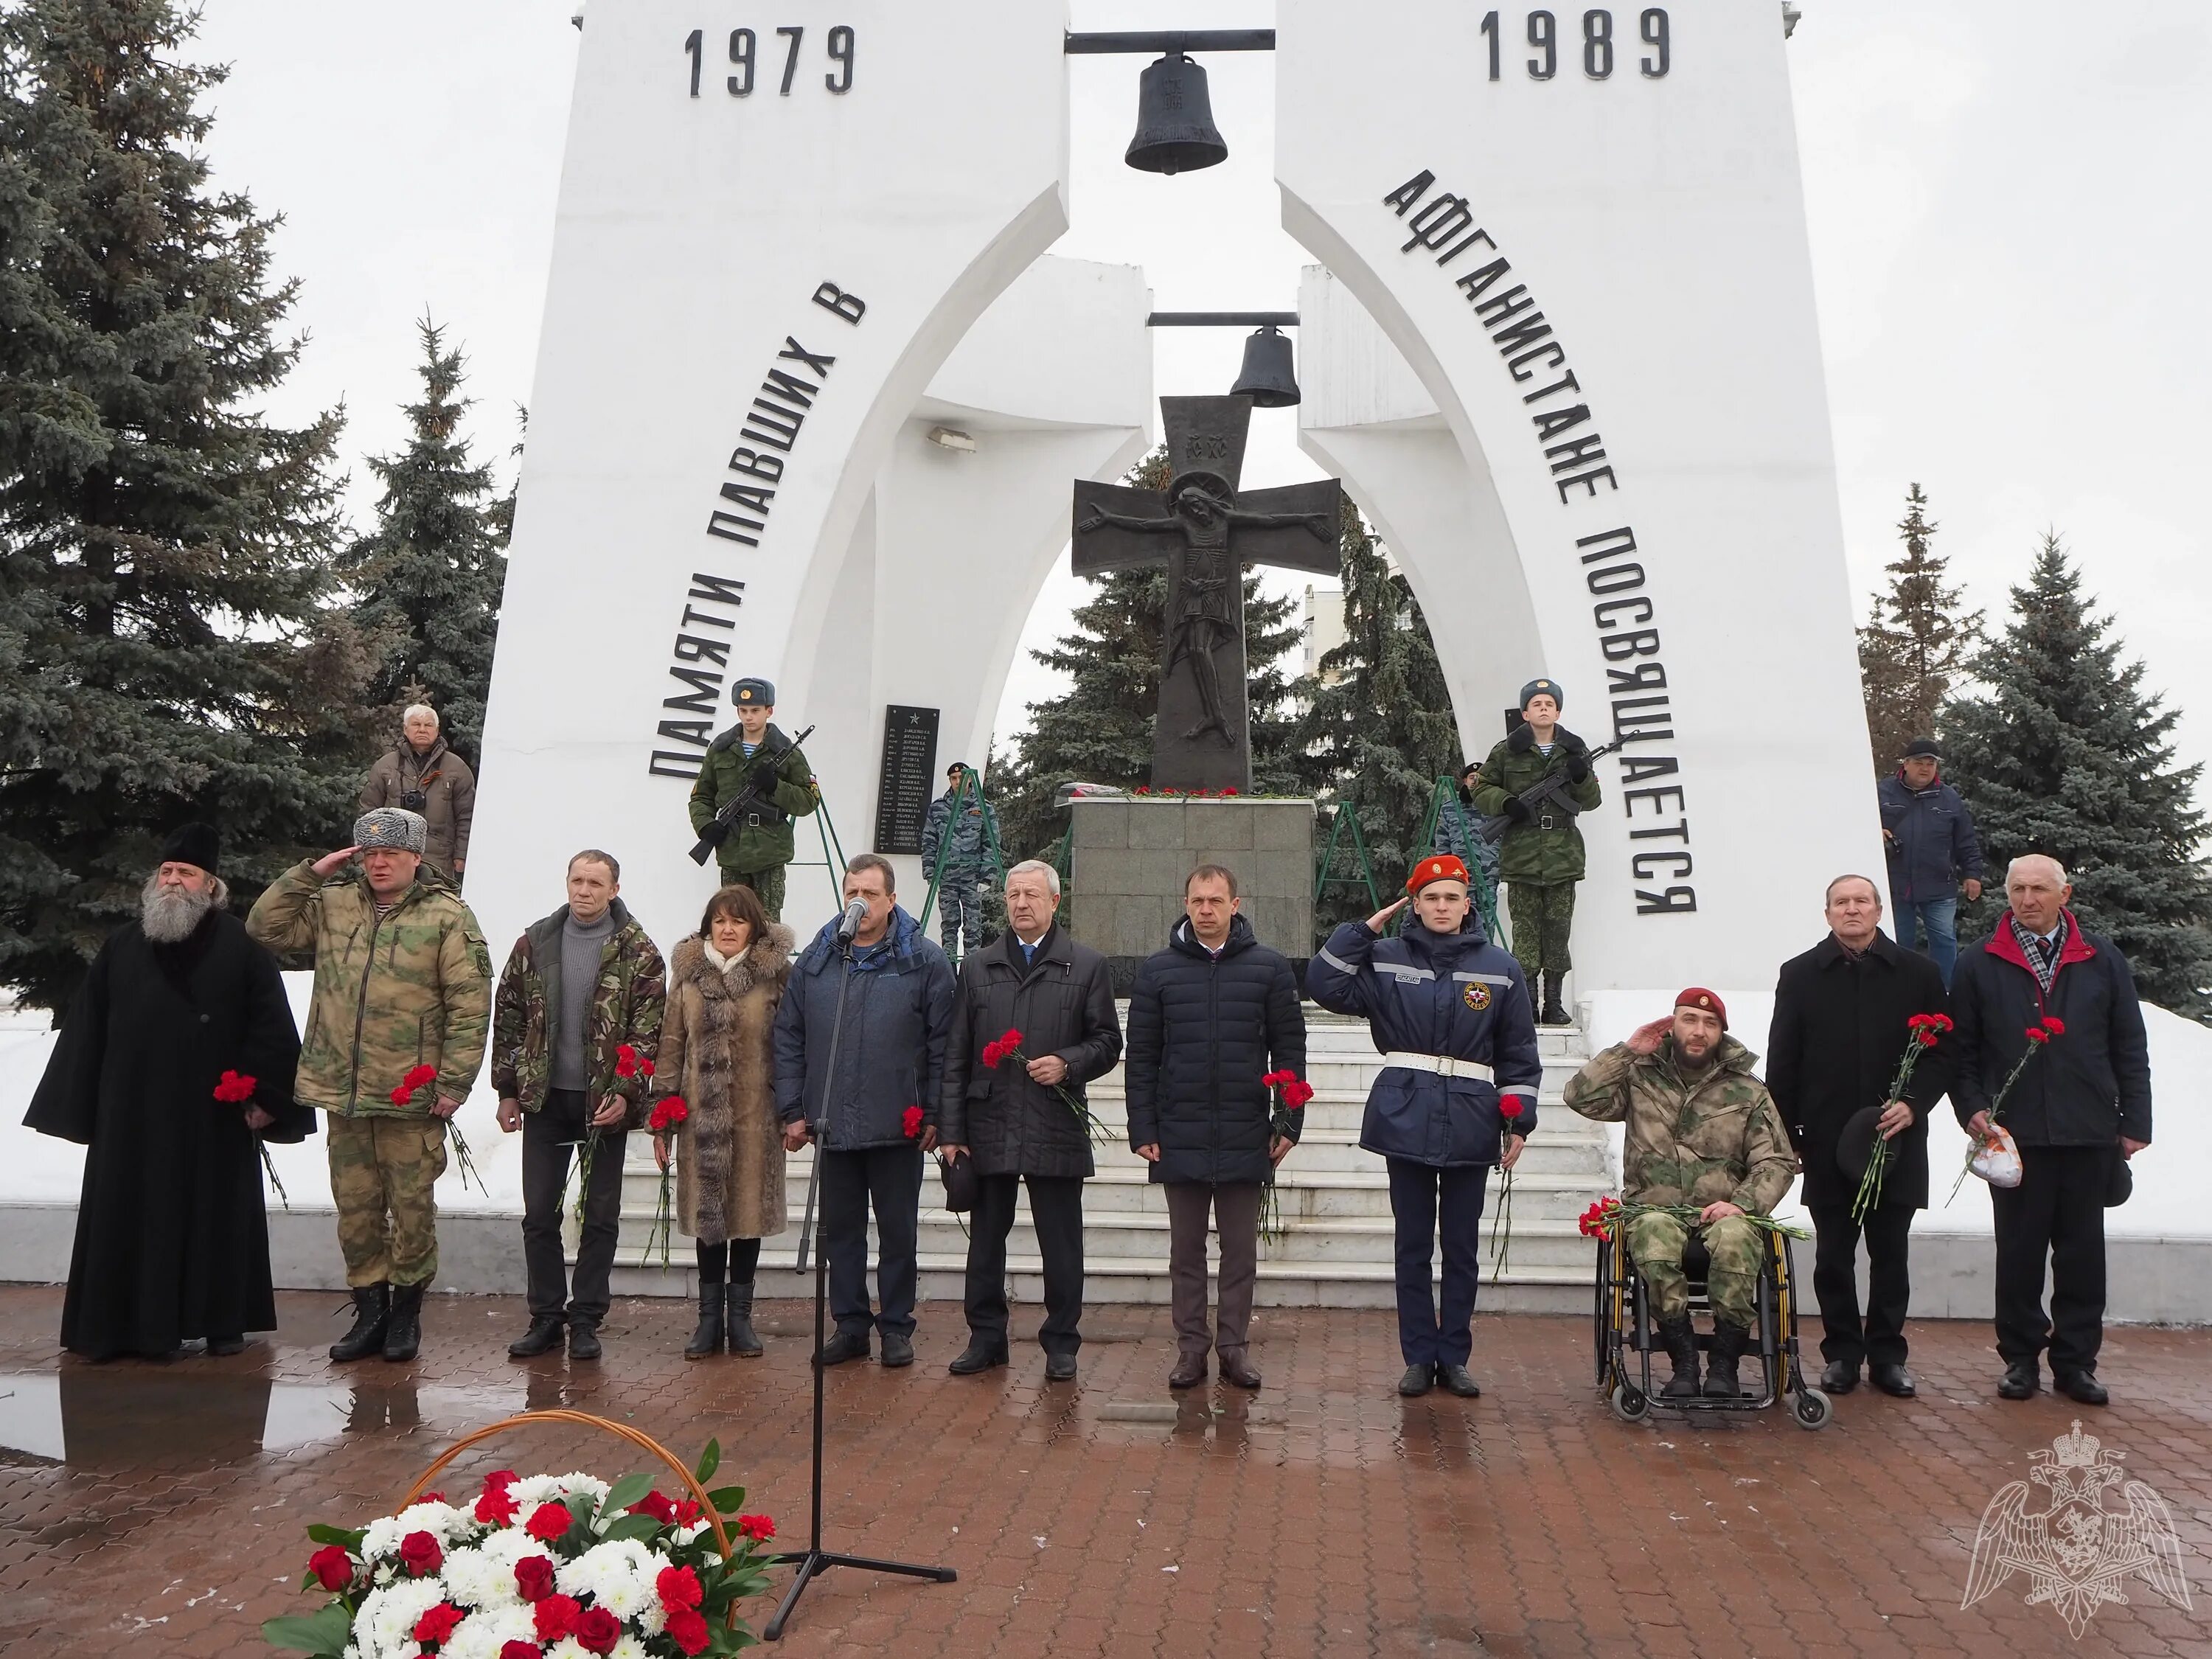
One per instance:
(1579, 766)
(1517, 810)
(764, 777)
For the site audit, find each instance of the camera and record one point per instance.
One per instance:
(413, 799)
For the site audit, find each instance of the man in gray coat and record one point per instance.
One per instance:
(1021, 1116)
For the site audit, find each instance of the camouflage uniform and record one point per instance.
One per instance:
(1458, 822)
(968, 862)
(761, 843)
(1541, 862)
(410, 988)
(1695, 1140)
(627, 1007)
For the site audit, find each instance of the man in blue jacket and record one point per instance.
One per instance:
(1930, 837)
(872, 1122)
(1451, 1015)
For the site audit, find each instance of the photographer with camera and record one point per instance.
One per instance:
(420, 775)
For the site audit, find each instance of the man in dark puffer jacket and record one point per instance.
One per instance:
(1209, 1018)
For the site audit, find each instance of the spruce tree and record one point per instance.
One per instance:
(167, 651)
(429, 578)
(2069, 755)
(1917, 642)
(1380, 726)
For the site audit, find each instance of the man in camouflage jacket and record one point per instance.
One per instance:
(970, 845)
(563, 1089)
(1704, 1134)
(753, 751)
(1541, 859)
(395, 1033)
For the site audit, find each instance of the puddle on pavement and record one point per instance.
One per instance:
(90, 1417)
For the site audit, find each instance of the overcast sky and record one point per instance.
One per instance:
(2006, 200)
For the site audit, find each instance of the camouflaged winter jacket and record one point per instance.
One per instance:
(627, 1005)
(411, 989)
(1719, 1138)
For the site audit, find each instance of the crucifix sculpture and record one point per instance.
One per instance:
(1206, 532)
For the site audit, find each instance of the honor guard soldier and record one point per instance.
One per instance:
(756, 760)
(1542, 858)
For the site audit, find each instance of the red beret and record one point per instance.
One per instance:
(1437, 866)
(1698, 997)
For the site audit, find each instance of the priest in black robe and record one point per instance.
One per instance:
(171, 1234)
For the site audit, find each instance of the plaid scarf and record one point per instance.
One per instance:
(2031, 946)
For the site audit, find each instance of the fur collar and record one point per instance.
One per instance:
(767, 958)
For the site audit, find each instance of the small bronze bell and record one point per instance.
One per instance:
(1175, 121)
(1266, 378)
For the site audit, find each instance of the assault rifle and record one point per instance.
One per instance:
(1494, 829)
(718, 828)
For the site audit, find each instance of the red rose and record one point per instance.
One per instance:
(657, 1506)
(437, 1625)
(555, 1616)
(910, 1123)
(688, 1630)
(679, 1586)
(598, 1630)
(420, 1554)
(331, 1566)
(519, 1649)
(548, 1523)
(1297, 1093)
(2057, 1027)
(533, 1577)
(758, 1528)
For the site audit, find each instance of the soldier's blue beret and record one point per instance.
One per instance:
(753, 693)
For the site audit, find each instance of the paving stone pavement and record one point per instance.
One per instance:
(157, 1509)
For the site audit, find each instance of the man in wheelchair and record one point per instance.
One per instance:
(1702, 1131)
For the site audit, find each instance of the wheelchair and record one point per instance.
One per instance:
(1627, 1334)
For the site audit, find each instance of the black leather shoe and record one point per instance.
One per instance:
(372, 1310)
(1893, 1379)
(898, 1351)
(1459, 1381)
(2020, 1381)
(221, 1347)
(2080, 1386)
(1416, 1381)
(543, 1337)
(583, 1338)
(1841, 1378)
(976, 1357)
(1189, 1371)
(844, 1346)
(1060, 1368)
(1236, 1368)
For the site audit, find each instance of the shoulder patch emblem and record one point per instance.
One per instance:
(1476, 995)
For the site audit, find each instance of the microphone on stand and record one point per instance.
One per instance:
(849, 923)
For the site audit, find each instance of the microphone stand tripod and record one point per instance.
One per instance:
(813, 1561)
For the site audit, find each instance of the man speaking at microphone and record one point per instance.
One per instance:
(860, 1045)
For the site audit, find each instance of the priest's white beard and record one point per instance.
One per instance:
(170, 914)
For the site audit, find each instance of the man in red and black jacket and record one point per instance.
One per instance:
(2080, 1108)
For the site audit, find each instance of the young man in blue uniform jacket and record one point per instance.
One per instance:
(1451, 1014)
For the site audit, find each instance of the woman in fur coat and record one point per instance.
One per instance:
(717, 1052)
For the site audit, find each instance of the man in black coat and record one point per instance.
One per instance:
(2081, 1107)
(172, 1236)
(1840, 1014)
(1022, 1119)
(1209, 1018)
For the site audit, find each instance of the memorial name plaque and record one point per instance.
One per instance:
(908, 780)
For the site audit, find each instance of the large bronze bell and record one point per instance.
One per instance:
(1266, 379)
(1175, 121)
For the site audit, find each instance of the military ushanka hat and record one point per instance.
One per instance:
(394, 827)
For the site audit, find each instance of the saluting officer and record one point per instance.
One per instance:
(1457, 1093)
(755, 752)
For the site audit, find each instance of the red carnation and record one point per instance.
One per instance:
(625, 1060)
(758, 1528)
(234, 1087)
(1229, 789)
(667, 1114)
(420, 1554)
(533, 1577)
(1508, 1106)
(598, 1630)
(688, 1630)
(911, 1122)
(437, 1625)
(496, 1507)
(654, 1504)
(1276, 1079)
(521, 1650)
(2038, 1035)
(556, 1617)
(1297, 1093)
(644, 1068)
(992, 1054)
(688, 1512)
(2056, 1026)
(1010, 1040)
(680, 1587)
(331, 1566)
(548, 1523)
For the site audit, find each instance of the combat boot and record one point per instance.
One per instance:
(402, 1332)
(1555, 1012)
(1729, 1343)
(706, 1341)
(743, 1340)
(1680, 1341)
(372, 1309)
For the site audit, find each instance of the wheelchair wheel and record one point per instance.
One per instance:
(1812, 1409)
(1630, 1404)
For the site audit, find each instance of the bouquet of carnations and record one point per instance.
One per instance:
(553, 1567)
(1509, 1107)
(628, 1065)
(1294, 1092)
(668, 1116)
(421, 1077)
(1009, 1046)
(1990, 1152)
(1922, 1031)
(235, 1089)
(1606, 1218)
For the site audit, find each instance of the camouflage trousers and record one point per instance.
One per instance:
(383, 1173)
(1732, 1281)
(1542, 918)
(960, 914)
(767, 884)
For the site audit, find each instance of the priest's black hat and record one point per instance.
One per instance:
(197, 844)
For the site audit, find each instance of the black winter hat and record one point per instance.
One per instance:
(1922, 748)
(197, 844)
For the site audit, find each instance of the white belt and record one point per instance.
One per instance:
(1442, 1065)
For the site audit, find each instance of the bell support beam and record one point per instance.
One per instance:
(1222, 320)
(1159, 40)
